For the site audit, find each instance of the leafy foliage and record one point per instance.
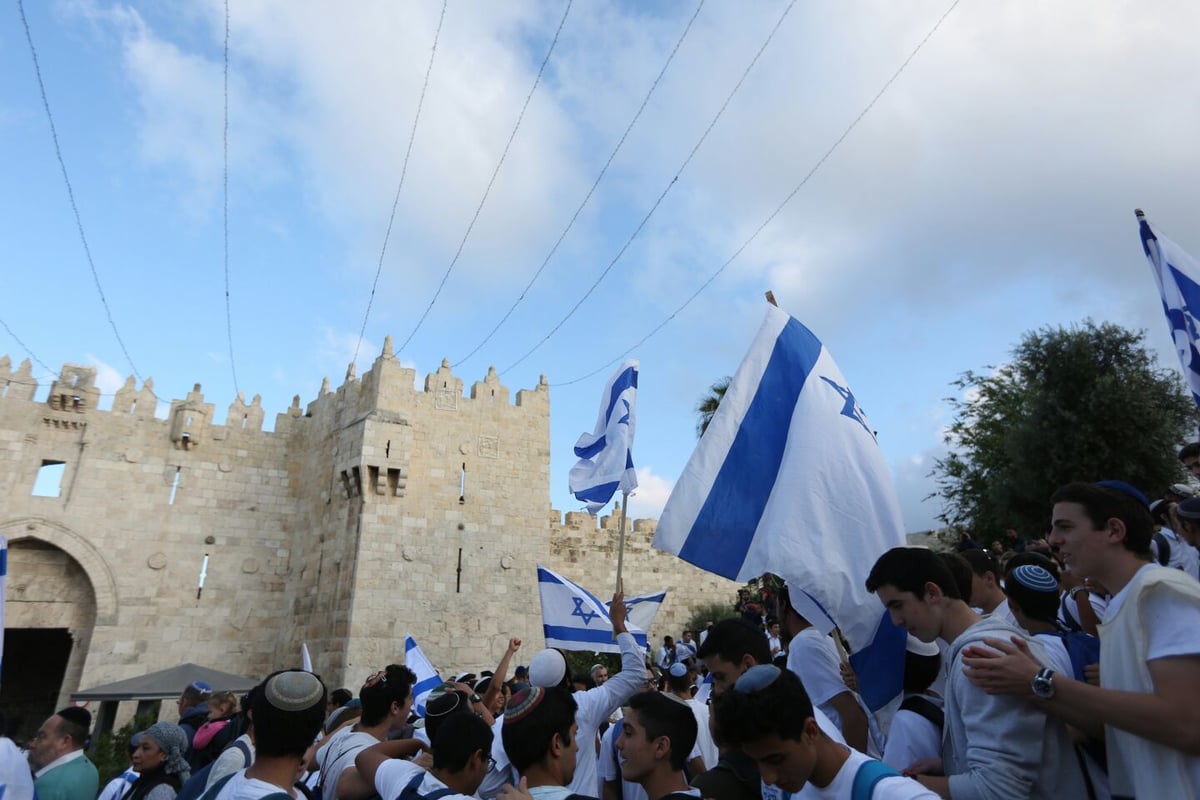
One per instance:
(709, 612)
(1080, 403)
(710, 402)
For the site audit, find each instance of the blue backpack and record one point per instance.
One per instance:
(1083, 648)
(870, 773)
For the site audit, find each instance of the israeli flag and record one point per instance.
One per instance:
(788, 479)
(1178, 278)
(575, 619)
(605, 458)
(427, 677)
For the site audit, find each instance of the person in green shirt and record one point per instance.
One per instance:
(60, 769)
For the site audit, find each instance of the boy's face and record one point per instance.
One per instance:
(915, 614)
(785, 763)
(639, 752)
(724, 673)
(570, 754)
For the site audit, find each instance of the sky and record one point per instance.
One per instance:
(918, 213)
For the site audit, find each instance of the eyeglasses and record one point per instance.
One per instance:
(757, 678)
(376, 679)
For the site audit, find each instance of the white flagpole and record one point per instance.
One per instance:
(621, 546)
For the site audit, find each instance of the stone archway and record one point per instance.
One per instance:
(54, 603)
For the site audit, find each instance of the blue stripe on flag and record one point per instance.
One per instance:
(626, 380)
(600, 494)
(578, 634)
(427, 685)
(880, 665)
(721, 535)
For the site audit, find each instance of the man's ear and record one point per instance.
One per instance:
(662, 748)
(933, 593)
(747, 662)
(1116, 529)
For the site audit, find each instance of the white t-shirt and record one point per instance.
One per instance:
(15, 778)
(395, 774)
(500, 772)
(893, 788)
(704, 741)
(1057, 657)
(338, 756)
(813, 657)
(230, 761)
(240, 787)
(1182, 557)
(912, 738)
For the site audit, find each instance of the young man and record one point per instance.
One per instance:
(287, 711)
(540, 738)
(657, 734)
(680, 680)
(775, 639)
(462, 747)
(549, 669)
(993, 747)
(60, 769)
(1145, 706)
(1189, 456)
(387, 699)
(987, 590)
(768, 715)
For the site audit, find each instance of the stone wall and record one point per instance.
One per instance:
(377, 510)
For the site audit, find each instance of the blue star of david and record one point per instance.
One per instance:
(851, 409)
(585, 614)
(625, 419)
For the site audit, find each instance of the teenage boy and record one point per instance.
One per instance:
(540, 739)
(462, 746)
(657, 734)
(769, 717)
(993, 747)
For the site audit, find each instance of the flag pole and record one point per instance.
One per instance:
(621, 546)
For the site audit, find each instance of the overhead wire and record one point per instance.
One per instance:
(70, 191)
(25, 347)
(670, 184)
(779, 208)
(403, 172)
(503, 155)
(225, 153)
(603, 170)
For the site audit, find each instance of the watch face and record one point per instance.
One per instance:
(1043, 685)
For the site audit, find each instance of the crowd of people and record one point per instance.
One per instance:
(1064, 667)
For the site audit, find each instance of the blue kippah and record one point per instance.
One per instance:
(1126, 488)
(1031, 576)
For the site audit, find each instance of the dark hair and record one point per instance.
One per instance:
(1191, 450)
(732, 639)
(443, 707)
(527, 738)
(394, 687)
(76, 722)
(458, 738)
(908, 569)
(339, 697)
(663, 716)
(193, 694)
(279, 732)
(1038, 605)
(981, 562)
(1036, 559)
(960, 570)
(584, 679)
(1102, 504)
(920, 671)
(780, 708)
(682, 682)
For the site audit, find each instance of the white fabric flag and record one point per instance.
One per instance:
(788, 479)
(427, 676)
(1178, 277)
(305, 658)
(575, 619)
(605, 458)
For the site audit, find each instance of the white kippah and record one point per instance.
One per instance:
(547, 669)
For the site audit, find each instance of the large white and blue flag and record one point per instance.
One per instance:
(427, 676)
(605, 455)
(789, 479)
(575, 619)
(1178, 277)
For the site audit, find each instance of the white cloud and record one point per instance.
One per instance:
(648, 499)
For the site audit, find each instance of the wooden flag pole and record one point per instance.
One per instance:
(621, 546)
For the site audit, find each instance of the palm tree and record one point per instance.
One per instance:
(709, 404)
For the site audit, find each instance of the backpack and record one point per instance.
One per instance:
(1163, 545)
(193, 787)
(1083, 648)
(924, 707)
(870, 773)
(212, 793)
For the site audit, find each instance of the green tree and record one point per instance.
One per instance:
(1081, 403)
(710, 402)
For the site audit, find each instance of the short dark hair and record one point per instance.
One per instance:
(76, 723)
(584, 679)
(284, 732)
(196, 693)
(457, 739)
(664, 716)
(909, 569)
(732, 639)
(960, 570)
(1040, 606)
(1101, 504)
(1036, 559)
(339, 697)
(920, 671)
(393, 687)
(441, 708)
(981, 562)
(1190, 450)
(780, 708)
(531, 721)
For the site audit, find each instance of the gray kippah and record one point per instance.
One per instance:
(294, 691)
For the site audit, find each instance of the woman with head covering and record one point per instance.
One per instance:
(160, 763)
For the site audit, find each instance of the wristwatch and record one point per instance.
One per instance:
(476, 698)
(1042, 684)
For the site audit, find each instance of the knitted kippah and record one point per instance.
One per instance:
(547, 668)
(294, 691)
(1036, 578)
(678, 670)
(523, 703)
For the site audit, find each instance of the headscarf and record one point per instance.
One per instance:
(173, 742)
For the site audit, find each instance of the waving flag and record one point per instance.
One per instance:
(1178, 277)
(427, 677)
(788, 479)
(575, 619)
(640, 611)
(605, 458)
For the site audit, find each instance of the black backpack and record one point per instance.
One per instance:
(1164, 548)
(924, 707)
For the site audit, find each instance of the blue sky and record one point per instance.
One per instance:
(989, 191)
